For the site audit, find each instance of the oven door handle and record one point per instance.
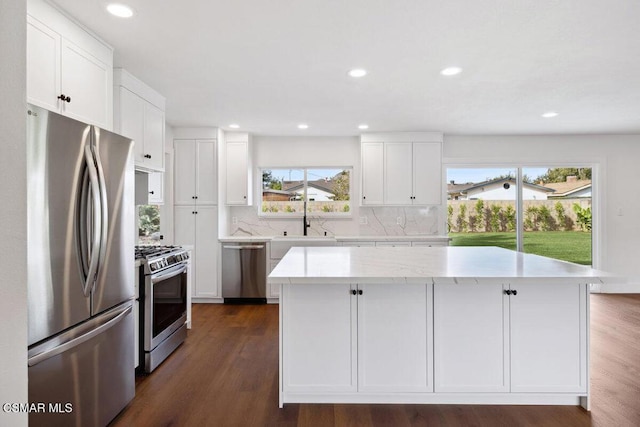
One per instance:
(169, 273)
(241, 247)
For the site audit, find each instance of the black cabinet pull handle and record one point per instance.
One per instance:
(360, 292)
(64, 98)
(147, 156)
(150, 192)
(514, 292)
(508, 292)
(353, 292)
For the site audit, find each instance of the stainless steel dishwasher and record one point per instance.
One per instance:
(244, 272)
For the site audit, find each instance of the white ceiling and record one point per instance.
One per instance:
(271, 64)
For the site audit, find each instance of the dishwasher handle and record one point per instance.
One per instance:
(240, 247)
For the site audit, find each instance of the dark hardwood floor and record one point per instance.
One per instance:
(226, 374)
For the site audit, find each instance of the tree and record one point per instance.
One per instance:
(561, 174)
(269, 181)
(341, 186)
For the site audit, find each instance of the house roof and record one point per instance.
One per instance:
(320, 184)
(510, 180)
(568, 187)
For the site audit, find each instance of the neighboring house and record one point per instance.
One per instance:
(499, 189)
(319, 190)
(271, 195)
(458, 191)
(570, 189)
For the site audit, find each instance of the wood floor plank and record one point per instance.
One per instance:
(226, 374)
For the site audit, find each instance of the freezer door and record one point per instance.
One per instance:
(55, 165)
(85, 376)
(114, 160)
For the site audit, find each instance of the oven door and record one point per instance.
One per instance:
(165, 304)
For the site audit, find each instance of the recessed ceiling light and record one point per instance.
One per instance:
(120, 10)
(358, 72)
(363, 126)
(451, 71)
(549, 114)
(303, 126)
(234, 126)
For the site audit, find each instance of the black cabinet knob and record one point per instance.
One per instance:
(508, 292)
(68, 99)
(64, 98)
(364, 197)
(360, 292)
(354, 292)
(147, 156)
(514, 292)
(195, 197)
(150, 192)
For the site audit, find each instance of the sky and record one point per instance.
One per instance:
(464, 175)
(297, 174)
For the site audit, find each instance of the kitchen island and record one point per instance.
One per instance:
(476, 325)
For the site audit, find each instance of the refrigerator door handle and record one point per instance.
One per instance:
(47, 354)
(104, 211)
(97, 230)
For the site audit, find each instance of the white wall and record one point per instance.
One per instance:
(616, 159)
(13, 212)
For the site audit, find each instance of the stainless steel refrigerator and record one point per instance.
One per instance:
(80, 271)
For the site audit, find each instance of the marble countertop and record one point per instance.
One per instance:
(416, 238)
(415, 264)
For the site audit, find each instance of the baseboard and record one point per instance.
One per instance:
(620, 288)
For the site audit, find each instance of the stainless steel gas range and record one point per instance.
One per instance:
(163, 298)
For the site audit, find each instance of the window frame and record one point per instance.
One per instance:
(305, 169)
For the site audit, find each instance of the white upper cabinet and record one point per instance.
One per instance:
(398, 174)
(139, 115)
(238, 167)
(372, 173)
(402, 168)
(195, 172)
(427, 173)
(69, 70)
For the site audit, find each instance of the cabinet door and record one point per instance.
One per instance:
(153, 137)
(87, 81)
(184, 233)
(43, 65)
(237, 173)
(132, 121)
(206, 252)
(156, 188)
(398, 176)
(394, 338)
(207, 172)
(184, 172)
(319, 338)
(548, 338)
(427, 173)
(471, 340)
(372, 173)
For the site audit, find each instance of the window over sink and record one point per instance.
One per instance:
(321, 191)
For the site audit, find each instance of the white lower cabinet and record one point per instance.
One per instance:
(394, 338)
(529, 337)
(197, 226)
(344, 338)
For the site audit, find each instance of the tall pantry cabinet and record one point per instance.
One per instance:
(196, 212)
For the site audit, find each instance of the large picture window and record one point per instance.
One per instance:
(551, 215)
(321, 191)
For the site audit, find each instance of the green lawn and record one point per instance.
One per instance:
(574, 246)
